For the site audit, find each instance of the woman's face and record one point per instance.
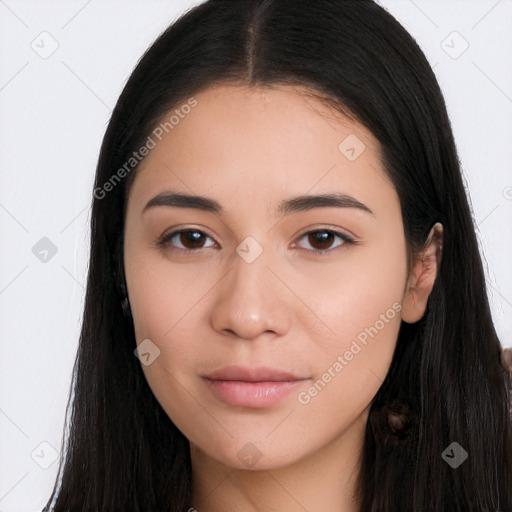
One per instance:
(258, 284)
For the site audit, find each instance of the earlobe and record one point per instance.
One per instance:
(422, 276)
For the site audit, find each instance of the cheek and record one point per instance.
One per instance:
(347, 297)
(350, 366)
(162, 296)
(166, 310)
(359, 304)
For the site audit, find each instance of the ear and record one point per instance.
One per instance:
(422, 276)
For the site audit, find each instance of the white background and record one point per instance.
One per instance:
(53, 114)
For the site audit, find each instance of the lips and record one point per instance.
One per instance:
(253, 374)
(254, 387)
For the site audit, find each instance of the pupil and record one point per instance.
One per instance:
(322, 237)
(191, 237)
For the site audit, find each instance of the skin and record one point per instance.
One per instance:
(249, 149)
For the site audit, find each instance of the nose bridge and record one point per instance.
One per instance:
(251, 299)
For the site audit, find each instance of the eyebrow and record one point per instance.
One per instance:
(286, 207)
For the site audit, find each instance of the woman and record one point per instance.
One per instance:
(286, 307)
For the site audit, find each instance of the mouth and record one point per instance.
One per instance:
(255, 387)
(253, 374)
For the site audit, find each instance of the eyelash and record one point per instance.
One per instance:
(164, 241)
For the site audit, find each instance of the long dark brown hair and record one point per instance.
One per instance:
(121, 452)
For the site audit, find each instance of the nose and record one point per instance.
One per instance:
(252, 299)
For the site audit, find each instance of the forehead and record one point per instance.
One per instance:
(265, 143)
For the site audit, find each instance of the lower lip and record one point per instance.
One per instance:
(251, 394)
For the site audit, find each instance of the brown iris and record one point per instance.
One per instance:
(324, 238)
(194, 238)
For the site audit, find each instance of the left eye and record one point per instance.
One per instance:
(324, 238)
(193, 239)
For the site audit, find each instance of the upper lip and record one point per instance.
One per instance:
(252, 374)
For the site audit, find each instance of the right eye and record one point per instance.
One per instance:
(191, 240)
